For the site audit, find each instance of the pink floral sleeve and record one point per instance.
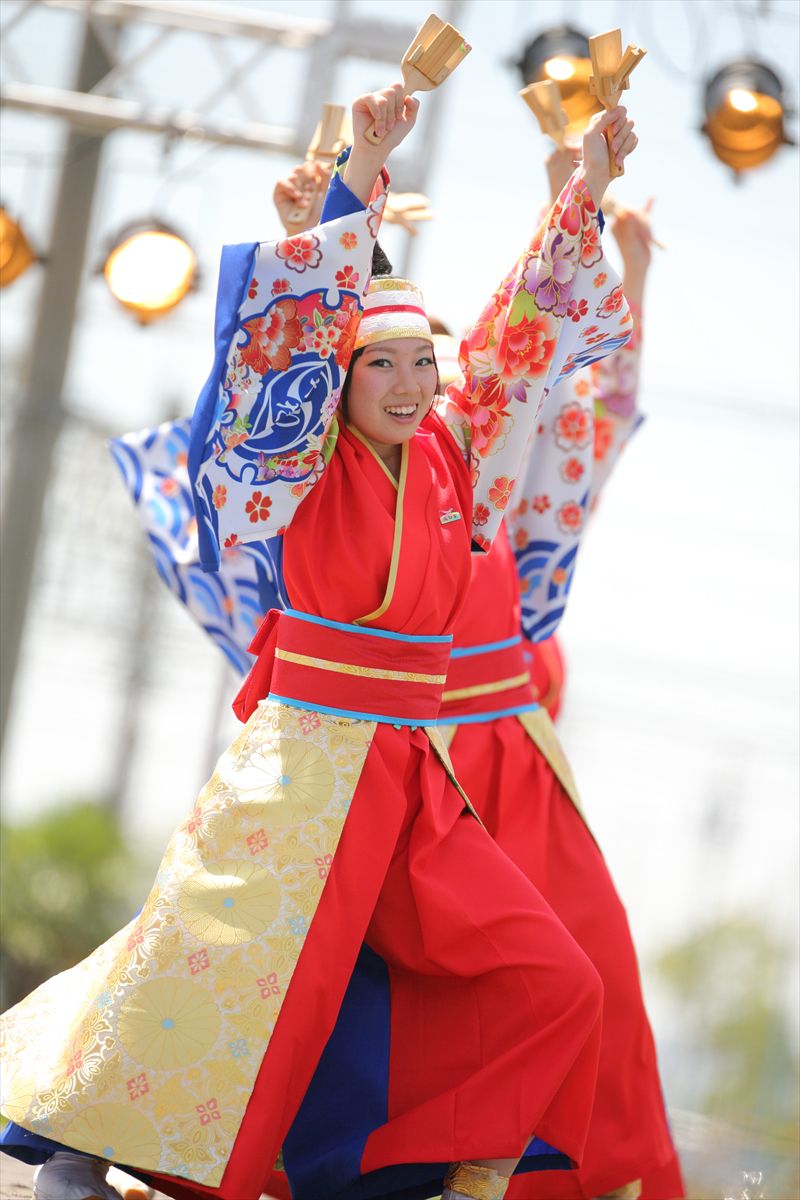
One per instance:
(544, 322)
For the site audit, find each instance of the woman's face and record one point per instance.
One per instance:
(392, 386)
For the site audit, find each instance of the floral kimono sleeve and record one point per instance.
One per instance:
(227, 604)
(263, 429)
(583, 427)
(545, 321)
(615, 387)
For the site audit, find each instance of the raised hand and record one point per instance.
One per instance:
(623, 142)
(302, 192)
(634, 236)
(395, 115)
(560, 164)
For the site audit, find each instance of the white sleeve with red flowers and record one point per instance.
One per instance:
(544, 322)
(615, 386)
(581, 430)
(263, 432)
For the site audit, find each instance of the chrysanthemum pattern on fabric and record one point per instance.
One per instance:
(169, 1020)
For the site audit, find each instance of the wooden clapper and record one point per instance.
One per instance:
(405, 209)
(330, 138)
(435, 52)
(611, 71)
(544, 101)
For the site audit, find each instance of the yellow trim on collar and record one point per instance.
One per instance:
(398, 537)
(358, 435)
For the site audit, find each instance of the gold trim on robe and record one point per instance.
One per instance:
(539, 727)
(342, 668)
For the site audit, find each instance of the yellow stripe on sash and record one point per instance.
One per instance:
(328, 664)
(486, 689)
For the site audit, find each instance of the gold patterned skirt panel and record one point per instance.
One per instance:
(147, 1051)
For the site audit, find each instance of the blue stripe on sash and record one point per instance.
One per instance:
(486, 648)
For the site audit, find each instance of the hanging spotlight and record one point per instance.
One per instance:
(744, 104)
(16, 253)
(150, 269)
(562, 54)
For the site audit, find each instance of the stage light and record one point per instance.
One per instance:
(559, 69)
(744, 104)
(16, 253)
(562, 54)
(150, 270)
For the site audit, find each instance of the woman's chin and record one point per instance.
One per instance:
(393, 431)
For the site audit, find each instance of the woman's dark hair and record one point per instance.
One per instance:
(380, 263)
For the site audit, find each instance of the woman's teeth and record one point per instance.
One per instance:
(402, 410)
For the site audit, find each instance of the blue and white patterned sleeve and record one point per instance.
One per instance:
(263, 429)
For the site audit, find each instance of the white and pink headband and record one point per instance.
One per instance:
(393, 308)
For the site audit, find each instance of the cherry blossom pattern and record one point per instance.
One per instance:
(577, 309)
(570, 517)
(300, 252)
(257, 507)
(481, 515)
(280, 286)
(573, 426)
(348, 277)
(500, 491)
(611, 303)
(572, 470)
(220, 496)
(603, 437)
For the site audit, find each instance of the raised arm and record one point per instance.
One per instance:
(287, 316)
(615, 379)
(589, 418)
(539, 326)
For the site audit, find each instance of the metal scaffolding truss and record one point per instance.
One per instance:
(121, 98)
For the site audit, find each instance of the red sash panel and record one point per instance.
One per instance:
(488, 679)
(351, 670)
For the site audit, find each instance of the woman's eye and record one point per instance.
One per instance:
(380, 362)
(427, 361)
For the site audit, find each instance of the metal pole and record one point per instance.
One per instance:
(40, 411)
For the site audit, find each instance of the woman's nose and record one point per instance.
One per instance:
(405, 381)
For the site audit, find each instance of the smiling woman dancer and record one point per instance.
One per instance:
(218, 1026)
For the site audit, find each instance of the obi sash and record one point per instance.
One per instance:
(487, 682)
(346, 670)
